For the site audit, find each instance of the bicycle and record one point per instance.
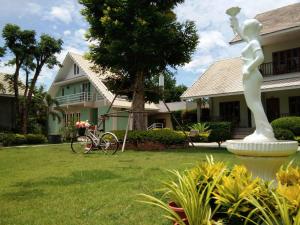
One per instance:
(90, 140)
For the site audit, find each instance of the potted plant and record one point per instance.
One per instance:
(81, 127)
(193, 197)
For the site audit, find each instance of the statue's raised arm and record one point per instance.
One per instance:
(234, 23)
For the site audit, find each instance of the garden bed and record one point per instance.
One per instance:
(153, 146)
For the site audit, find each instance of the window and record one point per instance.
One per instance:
(76, 69)
(230, 111)
(294, 105)
(287, 61)
(71, 118)
(62, 91)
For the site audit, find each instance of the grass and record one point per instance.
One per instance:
(50, 185)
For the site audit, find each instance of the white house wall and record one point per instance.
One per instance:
(269, 49)
(70, 71)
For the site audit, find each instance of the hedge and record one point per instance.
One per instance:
(20, 139)
(163, 136)
(291, 123)
(283, 134)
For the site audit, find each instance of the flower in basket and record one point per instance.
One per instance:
(82, 124)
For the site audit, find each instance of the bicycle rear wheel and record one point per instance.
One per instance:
(109, 143)
(81, 144)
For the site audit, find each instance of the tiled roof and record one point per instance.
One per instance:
(283, 18)
(224, 77)
(3, 84)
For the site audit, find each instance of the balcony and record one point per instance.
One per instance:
(75, 98)
(268, 69)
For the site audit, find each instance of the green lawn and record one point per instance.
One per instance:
(50, 185)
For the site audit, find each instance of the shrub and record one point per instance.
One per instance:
(1, 137)
(283, 134)
(296, 138)
(20, 139)
(164, 136)
(220, 132)
(291, 123)
(8, 139)
(35, 139)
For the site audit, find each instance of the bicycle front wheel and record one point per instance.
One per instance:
(81, 144)
(109, 143)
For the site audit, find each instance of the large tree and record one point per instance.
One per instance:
(29, 55)
(137, 39)
(20, 43)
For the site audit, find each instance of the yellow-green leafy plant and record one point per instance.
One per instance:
(268, 216)
(196, 203)
(288, 175)
(231, 193)
(208, 171)
(288, 179)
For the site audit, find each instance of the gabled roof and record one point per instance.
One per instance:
(96, 79)
(284, 18)
(224, 77)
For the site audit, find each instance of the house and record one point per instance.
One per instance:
(7, 103)
(83, 95)
(221, 83)
(163, 117)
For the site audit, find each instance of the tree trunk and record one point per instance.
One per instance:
(16, 92)
(138, 102)
(28, 99)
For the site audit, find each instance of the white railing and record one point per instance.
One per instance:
(74, 98)
(156, 126)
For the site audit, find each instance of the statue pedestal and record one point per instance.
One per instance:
(263, 167)
(262, 159)
(262, 149)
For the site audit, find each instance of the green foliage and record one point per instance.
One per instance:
(20, 139)
(164, 136)
(220, 132)
(185, 191)
(137, 40)
(233, 195)
(201, 127)
(9, 139)
(297, 139)
(283, 134)
(30, 55)
(291, 123)
(35, 139)
(69, 131)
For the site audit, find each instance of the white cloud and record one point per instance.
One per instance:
(60, 13)
(34, 8)
(196, 64)
(211, 39)
(67, 32)
(79, 34)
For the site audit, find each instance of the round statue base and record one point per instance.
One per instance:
(262, 149)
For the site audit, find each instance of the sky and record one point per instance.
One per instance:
(62, 19)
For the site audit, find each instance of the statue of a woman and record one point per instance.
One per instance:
(252, 56)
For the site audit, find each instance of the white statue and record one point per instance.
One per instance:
(252, 56)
